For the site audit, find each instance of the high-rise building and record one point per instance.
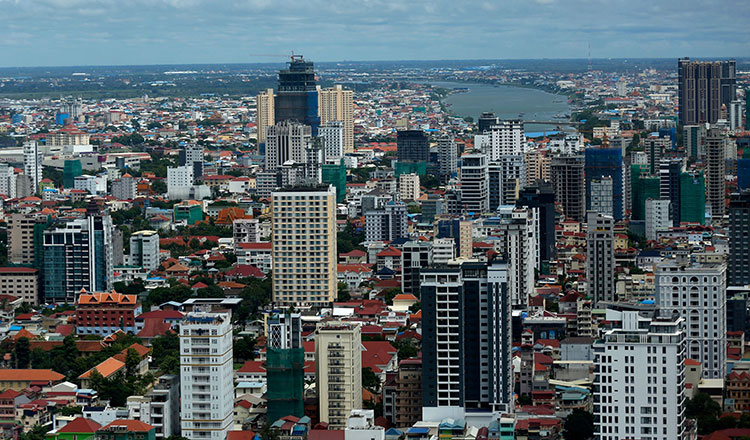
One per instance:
(537, 166)
(160, 407)
(692, 198)
(466, 354)
(694, 137)
(507, 176)
(415, 255)
(21, 238)
(77, 255)
(7, 181)
(447, 158)
(408, 393)
(517, 232)
(601, 196)
(192, 156)
(408, 186)
(568, 178)
(124, 188)
(297, 95)
(506, 138)
(643, 186)
(715, 173)
(698, 293)
(144, 249)
(287, 140)
(71, 169)
(387, 223)
(600, 257)
(412, 146)
(639, 385)
(206, 375)
(264, 116)
(475, 183)
(337, 104)
(179, 181)
(703, 87)
(542, 197)
(485, 121)
(739, 239)
(338, 369)
(32, 163)
(332, 134)
(657, 217)
(21, 282)
(335, 175)
(735, 115)
(655, 147)
(603, 162)
(669, 186)
(285, 366)
(304, 223)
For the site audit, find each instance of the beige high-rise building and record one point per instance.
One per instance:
(408, 186)
(338, 364)
(337, 104)
(465, 239)
(264, 113)
(21, 282)
(304, 245)
(21, 238)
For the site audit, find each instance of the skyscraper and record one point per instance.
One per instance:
(669, 186)
(542, 197)
(600, 257)
(703, 87)
(304, 224)
(739, 239)
(715, 173)
(287, 140)
(447, 158)
(466, 354)
(32, 163)
(475, 183)
(568, 177)
(603, 162)
(77, 255)
(692, 198)
(639, 385)
(387, 223)
(192, 156)
(264, 117)
(601, 196)
(206, 375)
(412, 146)
(517, 232)
(505, 138)
(332, 134)
(337, 104)
(338, 370)
(285, 366)
(507, 176)
(297, 95)
(486, 120)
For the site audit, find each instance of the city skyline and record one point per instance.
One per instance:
(103, 32)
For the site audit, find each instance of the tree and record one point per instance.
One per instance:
(244, 348)
(524, 399)
(579, 425)
(36, 433)
(370, 380)
(39, 359)
(705, 411)
(406, 348)
(268, 432)
(165, 353)
(158, 186)
(343, 292)
(132, 359)
(22, 353)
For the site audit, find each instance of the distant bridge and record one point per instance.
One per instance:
(570, 123)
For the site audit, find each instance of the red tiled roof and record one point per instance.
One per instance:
(80, 425)
(132, 425)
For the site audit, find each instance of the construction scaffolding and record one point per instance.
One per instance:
(285, 375)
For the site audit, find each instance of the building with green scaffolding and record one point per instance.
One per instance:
(642, 187)
(335, 175)
(692, 197)
(285, 366)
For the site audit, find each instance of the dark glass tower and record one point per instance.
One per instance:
(703, 87)
(542, 196)
(412, 146)
(739, 239)
(602, 162)
(297, 96)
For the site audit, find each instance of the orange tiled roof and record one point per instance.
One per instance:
(106, 368)
(106, 298)
(29, 375)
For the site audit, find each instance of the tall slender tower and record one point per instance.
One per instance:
(568, 178)
(297, 94)
(304, 245)
(32, 163)
(206, 375)
(715, 173)
(337, 104)
(600, 257)
(264, 115)
(338, 364)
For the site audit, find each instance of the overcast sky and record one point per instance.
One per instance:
(107, 32)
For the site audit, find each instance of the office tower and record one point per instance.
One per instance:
(415, 255)
(7, 181)
(475, 183)
(32, 163)
(601, 196)
(517, 233)
(412, 146)
(264, 114)
(314, 160)
(669, 186)
(144, 249)
(505, 138)
(408, 186)
(338, 369)
(639, 385)
(603, 162)
(506, 178)
(179, 182)
(739, 239)
(286, 141)
(297, 95)
(447, 158)
(77, 255)
(655, 147)
(703, 87)
(304, 223)
(124, 188)
(71, 170)
(568, 178)
(715, 173)
(600, 257)
(735, 115)
(192, 155)
(337, 104)
(206, 375)
(692, 198)
(537, 166)
(694, 137)
(285, 366)
(542, 197)
(443, 251)
(466, 354)
(657, 217)
(432, 206)
(387, 223)
(21, 238)
(332, 135)
(485, 121)
(698, 292)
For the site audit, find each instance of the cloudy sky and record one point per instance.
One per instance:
(110, 32)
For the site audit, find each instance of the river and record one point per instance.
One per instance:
(507, 102)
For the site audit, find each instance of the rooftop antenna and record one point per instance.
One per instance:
(589, 56)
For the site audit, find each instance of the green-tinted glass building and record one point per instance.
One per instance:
(642, 188)
(335, 175)
(692, 198)
(192, 213)
(419, 168)
(71, 170)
